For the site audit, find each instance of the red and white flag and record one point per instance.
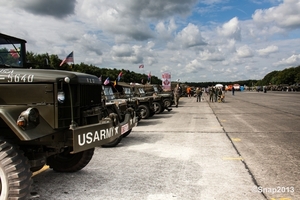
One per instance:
(119, 76)
(69, 58)
(106, 81)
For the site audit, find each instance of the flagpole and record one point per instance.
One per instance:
(144, 71)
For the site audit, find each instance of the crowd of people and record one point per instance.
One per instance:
(216, 94)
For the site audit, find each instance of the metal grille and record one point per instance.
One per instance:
(90, 95)
(86, 103)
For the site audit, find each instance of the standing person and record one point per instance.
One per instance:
(177, 93)
(188, 91)
(220, 93)
(233, 90)
(199, 94)
(211, 94)
(216, 93)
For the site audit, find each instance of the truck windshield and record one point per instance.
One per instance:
(142, 92)
(108, 92)
(127, 92)
(10, 55)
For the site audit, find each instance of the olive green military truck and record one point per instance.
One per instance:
(158, 103)
(167, 97)
(146, 108)
(47, 117)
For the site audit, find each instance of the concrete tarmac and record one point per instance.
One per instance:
(194, 152)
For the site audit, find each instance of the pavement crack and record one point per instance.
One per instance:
(242, 160)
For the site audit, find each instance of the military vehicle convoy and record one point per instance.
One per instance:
(167, 97)
(48, 117)
(158, 103)
(146, 107)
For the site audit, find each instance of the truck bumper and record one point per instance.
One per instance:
(128, 123)
(95, 135)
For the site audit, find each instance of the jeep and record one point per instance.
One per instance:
(146, 108)
(121, 107)
(158, 103)
(167, 97)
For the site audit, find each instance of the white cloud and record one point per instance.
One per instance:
(268, 50)
(244, 52)
(193, 66)
(165, 30)
(291, 61)
(127, 53)
(211, 56)
(231, 29)
(190, 36)
(286, 15)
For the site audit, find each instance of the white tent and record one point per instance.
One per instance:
(219, 85)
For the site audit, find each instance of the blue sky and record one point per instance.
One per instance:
(194, 40)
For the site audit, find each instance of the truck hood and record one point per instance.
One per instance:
(16, 75)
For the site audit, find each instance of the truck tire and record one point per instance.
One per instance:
(15, 173)
(66, 162)
(145, 112)
(114, 143)
(167, 103)
(152, 112)
(157, 107)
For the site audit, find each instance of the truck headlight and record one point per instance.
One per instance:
(61, 97)
(29, 118)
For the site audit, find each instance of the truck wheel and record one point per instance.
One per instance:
(152, 112)
(114, 143)
(66, 162)
(127, 133)
(145, 112)
(157, 107)
(15, 173)
(167, 103)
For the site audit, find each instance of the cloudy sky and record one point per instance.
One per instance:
(194, 40)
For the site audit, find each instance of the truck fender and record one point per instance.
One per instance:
(10, 114)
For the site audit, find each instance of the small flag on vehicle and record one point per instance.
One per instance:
(119, 76)
(106, 81)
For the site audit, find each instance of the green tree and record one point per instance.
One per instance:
(269, 78)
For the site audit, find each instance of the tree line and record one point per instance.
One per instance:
(290, 76)
(38, 61)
